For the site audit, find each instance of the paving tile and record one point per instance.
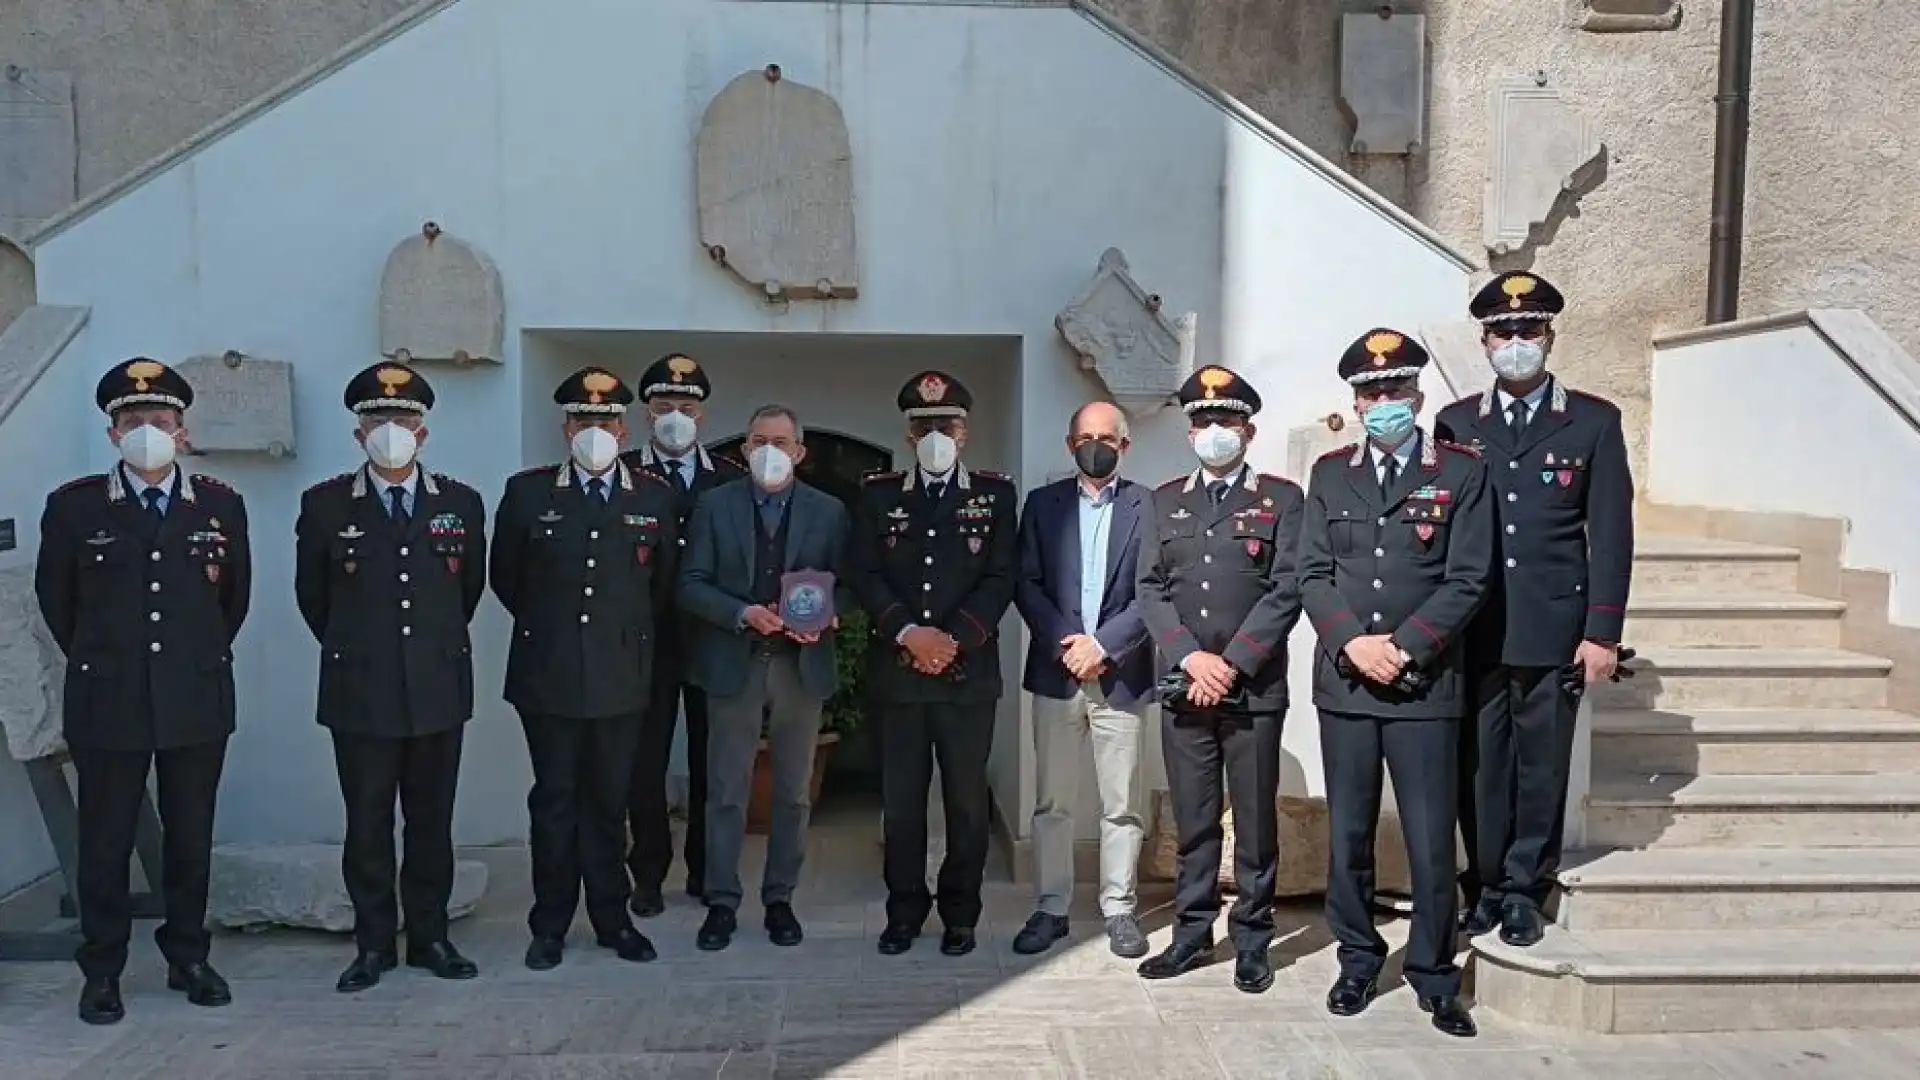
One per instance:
(1279, 1051)
(1150, 1052)
(840, 1057)
(892, 1007)
(1852, 1054)
(953, 1047)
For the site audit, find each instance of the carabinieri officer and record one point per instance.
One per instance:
(390, 565)
(1395, 560)
(583, 556)
(1557, 463)
(143, 578)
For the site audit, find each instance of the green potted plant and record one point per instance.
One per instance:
(842, 715)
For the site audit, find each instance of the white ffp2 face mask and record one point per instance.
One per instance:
(936, 452)
(1518, 361)
(1216, 446)
(771, 466)
(147, 448)
(594, 449)
(391, 446)
(675, 432)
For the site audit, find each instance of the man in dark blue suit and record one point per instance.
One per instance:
(1089, 670)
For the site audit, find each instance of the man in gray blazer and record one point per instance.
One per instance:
(743, 537)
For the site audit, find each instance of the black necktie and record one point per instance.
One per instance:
(1389, 473)
(1217, 491)
(597, 488)
(935, 489)
(153, 495)
(1517, 416)
(674, 467)
(397, 506)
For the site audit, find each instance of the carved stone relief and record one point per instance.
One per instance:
(1383, 81)
(441, 299)
(774, 181)
(39, 155)
(240, 404)
(1120, 334)
(1623, 16)
(1542, 146)
(32, 671)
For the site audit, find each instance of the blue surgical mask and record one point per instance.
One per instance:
(1389, 422)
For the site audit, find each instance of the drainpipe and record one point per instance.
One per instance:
(1730, 160)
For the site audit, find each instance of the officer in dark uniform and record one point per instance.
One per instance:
(143, 577)
(1557, 463)
(675, 390)
(1220, 594)
(390, 567)
(932, 558)
(1398, 549)
(583, 555)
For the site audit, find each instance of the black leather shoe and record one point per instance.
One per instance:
(957, 941)
(1176, 959)
(1125, 937)
(544, 953)
(1481, 918)
(897, 938)
(717, 932)
(203, 985)
(365, 971)
(1350, 995)
(783, 928)
(443, 960)
(630, 945)
(1252, 974)
(647, 902)
(1520, 924)
(1041, 931)
(1449, 1016)
(100, 1002)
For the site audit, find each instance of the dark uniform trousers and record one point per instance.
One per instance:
(652, 851)
(1411, 562)
(947, 563)
(1563, 565)
(389, 601)
(146, 610)
(582, 575)
(1217, 575)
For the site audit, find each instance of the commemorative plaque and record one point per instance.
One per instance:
(806, 601)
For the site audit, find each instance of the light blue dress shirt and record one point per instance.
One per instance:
(1096, 526)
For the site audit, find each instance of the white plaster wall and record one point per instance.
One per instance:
(1749, 423)
(996, 152)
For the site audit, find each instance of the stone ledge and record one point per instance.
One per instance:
(1742, 868)
(300, 885)
(1303, 849)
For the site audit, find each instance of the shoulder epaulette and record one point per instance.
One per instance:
(535, 469)
(1594, 398)
(648, 476)
(1339, 451)
(212, 481)
(878, 477)
(1271, 478)
(332, 480)
(991, 475)
(1175, 482)
(1458, 448)
(450, 481)
(80, 482)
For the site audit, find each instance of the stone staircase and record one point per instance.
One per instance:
(1752, 853)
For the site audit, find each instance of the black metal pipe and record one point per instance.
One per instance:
(1730, 160)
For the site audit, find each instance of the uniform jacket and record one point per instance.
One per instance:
(1222, 579)
(146, 615)
(390, 605)
(710, 472)
(585, 579)
(1414, 565)
(1564, 550)
(717, 576)
(950, 565)
(1048, 592)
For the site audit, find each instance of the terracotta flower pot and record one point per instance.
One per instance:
(760, 802)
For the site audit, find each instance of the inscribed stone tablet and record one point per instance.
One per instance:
(240, 404)
(1120, 334)
(1383, 80)
(39, 160)
(1541, 147)
(441, 299)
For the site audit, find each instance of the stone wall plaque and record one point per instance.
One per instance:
(33, 671)
(241, 404)
(1623, 16)
(1383, 81)
(1541, 146)
(1120, 334)
(773, 175)
(39, 155)
(441, 299)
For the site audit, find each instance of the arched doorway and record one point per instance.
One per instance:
(837, 463)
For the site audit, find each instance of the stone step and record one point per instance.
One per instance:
(1706, 890)
(1648, 981)
(1685, 563)
(1756, 741)
(1670, 677)
(1671, 810)
(1733, 620)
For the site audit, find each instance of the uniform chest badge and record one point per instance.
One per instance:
(640, 520)
(101, 538)
(448, 532)
(1424, 531)
(898, 513)
(1179, 515)
(549, 518)
(1253, 548)
(351, 532)
(973, 544)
